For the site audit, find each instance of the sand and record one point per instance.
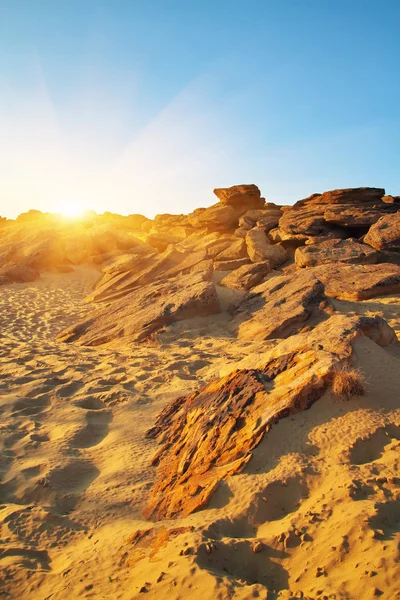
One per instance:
(316, 513)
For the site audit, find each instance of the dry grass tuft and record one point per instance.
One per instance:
(348, 383)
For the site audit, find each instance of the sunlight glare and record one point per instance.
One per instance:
(71, 210)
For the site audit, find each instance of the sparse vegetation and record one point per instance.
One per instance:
(348, 382)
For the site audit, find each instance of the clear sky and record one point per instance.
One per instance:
(147, 105)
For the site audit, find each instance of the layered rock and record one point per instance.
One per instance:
(343, 251)
(209, 435)
(359, 282)
(351, 208)
(120, 278)
(145, 310)
(385, 234)
(260, 249)
(240, 196)
(247, 276)
(281, 306)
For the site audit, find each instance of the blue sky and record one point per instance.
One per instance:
(147, 105)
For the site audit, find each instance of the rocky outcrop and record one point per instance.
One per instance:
(359, 282)
(145, 310)
(209, 435)
(120, 278)
(321, 214)
(385, 234)
(240, 196)
(260, 249)
(281, 306)
(343, 251)
(247, 276)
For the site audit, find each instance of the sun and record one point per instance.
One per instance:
(71, 210)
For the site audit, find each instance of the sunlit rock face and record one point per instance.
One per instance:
(343, 251)
(209, 435)
(320, 214)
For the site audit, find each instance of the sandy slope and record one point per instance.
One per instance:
(321, 496)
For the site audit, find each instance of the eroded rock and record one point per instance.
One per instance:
(145, 310)
(247, 276)
(344, 251)
(281, 306)
(209, 435)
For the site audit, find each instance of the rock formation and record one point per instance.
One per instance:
(210, 434)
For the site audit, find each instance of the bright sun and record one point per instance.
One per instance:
(71, 210)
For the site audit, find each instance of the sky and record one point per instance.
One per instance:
(145, 106)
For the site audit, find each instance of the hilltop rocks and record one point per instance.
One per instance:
(344, 251)
(145, 310)
(280, 306)
(240, 196)
(209, 435)
(259, 248)
(385, 233)
(359, 282)
(247, 276)
(321, 214)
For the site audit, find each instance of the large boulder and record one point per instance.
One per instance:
(358, 282)
(385, 233)
(321, 214)
(219, 217)
(260, 249)
(240, 196)
(210, 435)
(145, 310)
(281, 306)
(344, 251)
(247, 276)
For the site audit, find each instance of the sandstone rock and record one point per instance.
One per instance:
(230, 265)
(145, 310)
(321, 214)
(239, 196)
(344, 251)
(17, 274)
(240, 232)
(260, 249)
(144, 270)
(236, 250)
(247, 276)
(281, 306)
(219, 217)
(210, 434)
(359, 282)
(385, 233)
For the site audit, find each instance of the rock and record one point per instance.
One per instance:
(145, 310)
(230, 265)
(260, 249)
(17, 274)
(210, 434)
(236, 250)
(385, 233)
(321, 214)
(344, 251)
(240, 196)
(240, 232)
(145, 269)
(257, 547)
(280, 306)
(359, 282)
(247, 276)
(219, 217)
